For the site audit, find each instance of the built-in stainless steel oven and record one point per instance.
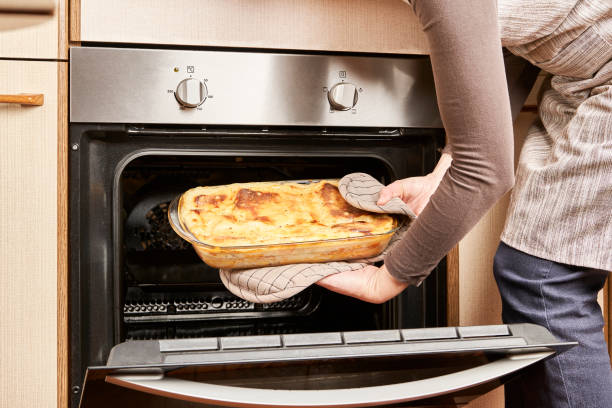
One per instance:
(152, 325)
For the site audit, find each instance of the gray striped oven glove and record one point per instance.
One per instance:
(276, 283)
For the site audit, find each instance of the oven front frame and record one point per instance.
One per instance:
(120, 144)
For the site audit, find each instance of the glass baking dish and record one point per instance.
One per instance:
(255, 256)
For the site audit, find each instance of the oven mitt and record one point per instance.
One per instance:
(277, 283)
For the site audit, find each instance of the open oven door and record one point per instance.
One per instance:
(432, 367)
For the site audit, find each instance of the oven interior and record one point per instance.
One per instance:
(170, 293)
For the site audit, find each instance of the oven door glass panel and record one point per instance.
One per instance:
(412, 367)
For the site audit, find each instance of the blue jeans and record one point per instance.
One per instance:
(563, 299)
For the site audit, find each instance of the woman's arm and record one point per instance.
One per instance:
(468, 68)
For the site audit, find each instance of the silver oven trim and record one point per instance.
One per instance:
(232, 396)
(118, 85)
(153, 368)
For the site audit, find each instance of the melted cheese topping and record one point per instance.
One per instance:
(275, 213)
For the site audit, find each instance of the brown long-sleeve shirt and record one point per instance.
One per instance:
(467, 62)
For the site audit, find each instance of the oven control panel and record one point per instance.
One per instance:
(250, 88)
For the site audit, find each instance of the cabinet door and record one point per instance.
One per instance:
(33, 29)
(28, 236)
(385, 26)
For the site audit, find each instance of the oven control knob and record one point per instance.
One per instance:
(191, 92)
(342, 96)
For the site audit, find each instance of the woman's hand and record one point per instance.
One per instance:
(370, 284)
(416, 191)
(373, 284)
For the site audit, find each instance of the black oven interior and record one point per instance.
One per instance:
(165, 281)
(132, 278)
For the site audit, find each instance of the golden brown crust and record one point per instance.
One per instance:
(275, 213)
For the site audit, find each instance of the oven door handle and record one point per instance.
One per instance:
(231, 396)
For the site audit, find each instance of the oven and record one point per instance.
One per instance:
(151, 325)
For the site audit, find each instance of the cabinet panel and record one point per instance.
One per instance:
(36, 6)
(608, 314)
(337, 25)
(34, 34)
(28, 237)
(479, 301)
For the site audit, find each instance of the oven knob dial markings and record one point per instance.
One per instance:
(191, 92)
(343, 96)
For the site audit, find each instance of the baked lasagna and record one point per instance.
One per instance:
(267, 213)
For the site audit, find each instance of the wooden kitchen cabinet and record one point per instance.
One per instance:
(38, 33)
(29, 228)
(33, 191)
(382, 26)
